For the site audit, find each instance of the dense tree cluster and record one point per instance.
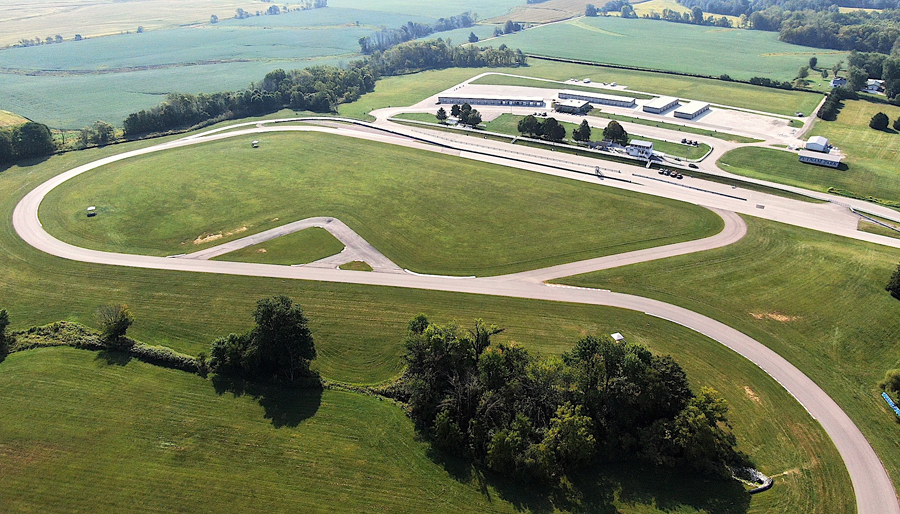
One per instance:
(767, 82)
(695, 17)
(465, 114)
(317, 88)
(25, 141)
(386, 38)
(545, 418)
(278, 348)
(832, 105)
(615, 132)
(100, 133)
(548, 128)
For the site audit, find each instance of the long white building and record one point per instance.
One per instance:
(513, 101)
(598, 98)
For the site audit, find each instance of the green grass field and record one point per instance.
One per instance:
(817, 300)
(358, 333)
(871, 162)
(300, 247)
(659, 45)
(434, 214)
(69, 421)
(508, 124)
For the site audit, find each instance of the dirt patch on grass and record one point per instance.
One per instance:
(261, 250)
(752, 394)
(208, 238)
(14, 457)
(775, 316)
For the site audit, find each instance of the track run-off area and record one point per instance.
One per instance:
(874, 491)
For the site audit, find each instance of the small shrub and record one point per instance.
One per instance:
(891, 382)
(897, 124)
(879, 121)
(893, 285)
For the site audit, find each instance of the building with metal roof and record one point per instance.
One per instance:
(660, 104)
(599, 98)
(513, 101)
(691, 110)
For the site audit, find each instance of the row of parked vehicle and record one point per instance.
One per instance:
(671, 173)
(689, 142)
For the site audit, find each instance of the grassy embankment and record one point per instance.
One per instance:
(871, 162)
(680, 47)
(817, 300)
(434, 213)
(359, 332)
(301, 247)
(69, 414)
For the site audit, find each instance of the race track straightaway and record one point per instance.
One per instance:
(874, 491)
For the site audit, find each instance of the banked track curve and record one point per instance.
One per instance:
(873, 488)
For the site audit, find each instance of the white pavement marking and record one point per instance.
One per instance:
(875, 494)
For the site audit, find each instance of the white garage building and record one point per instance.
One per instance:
(660, 104)
(691, 110)
(598, 98)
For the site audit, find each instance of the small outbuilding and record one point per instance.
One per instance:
(255, 144)
(818, 144)
(91, 211)
(617, 337)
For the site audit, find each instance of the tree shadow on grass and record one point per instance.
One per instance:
(603, 488)
(113, 357)
(286, 406)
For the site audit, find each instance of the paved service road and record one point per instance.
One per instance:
(875, 493)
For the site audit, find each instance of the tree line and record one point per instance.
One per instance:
(545, 418)
(317, 88)
(25, 141)
(386, 38)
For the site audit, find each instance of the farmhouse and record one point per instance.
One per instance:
(874, 86)
(572, 106)
(838, 81)
(691, 110)
(598, 98)
(820, 159)
(638, 148)
(818, 144)
(660, 104)
(513, 101)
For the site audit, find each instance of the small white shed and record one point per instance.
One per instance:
(617, 337)
(817, 144)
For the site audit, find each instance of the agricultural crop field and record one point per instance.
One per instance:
(653, 44)
(732, 94)
(871, 162)
(109, 77)
(441, 215)
(8, 119)
(771, 286)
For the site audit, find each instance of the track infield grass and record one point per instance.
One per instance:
(425, 211)
(301, 247)
(871, 162)
(816, 299)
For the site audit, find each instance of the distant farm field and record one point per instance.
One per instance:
(434, 213)
(8, 119)
(871, 162)
(672, 46)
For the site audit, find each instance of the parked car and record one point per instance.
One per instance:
(692, 165)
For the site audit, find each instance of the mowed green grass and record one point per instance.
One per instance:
(359, 332)
(8, 119)
(659, 45)
(817, 300)
(733, 94)
(509, 123)
(427, 212)
(871, 156)
(301, 247)
(71, 419)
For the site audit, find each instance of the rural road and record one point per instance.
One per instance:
(874, 491)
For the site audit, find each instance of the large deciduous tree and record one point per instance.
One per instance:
(114, 320)
(880, 121)
(583, 132)
(615, 133)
